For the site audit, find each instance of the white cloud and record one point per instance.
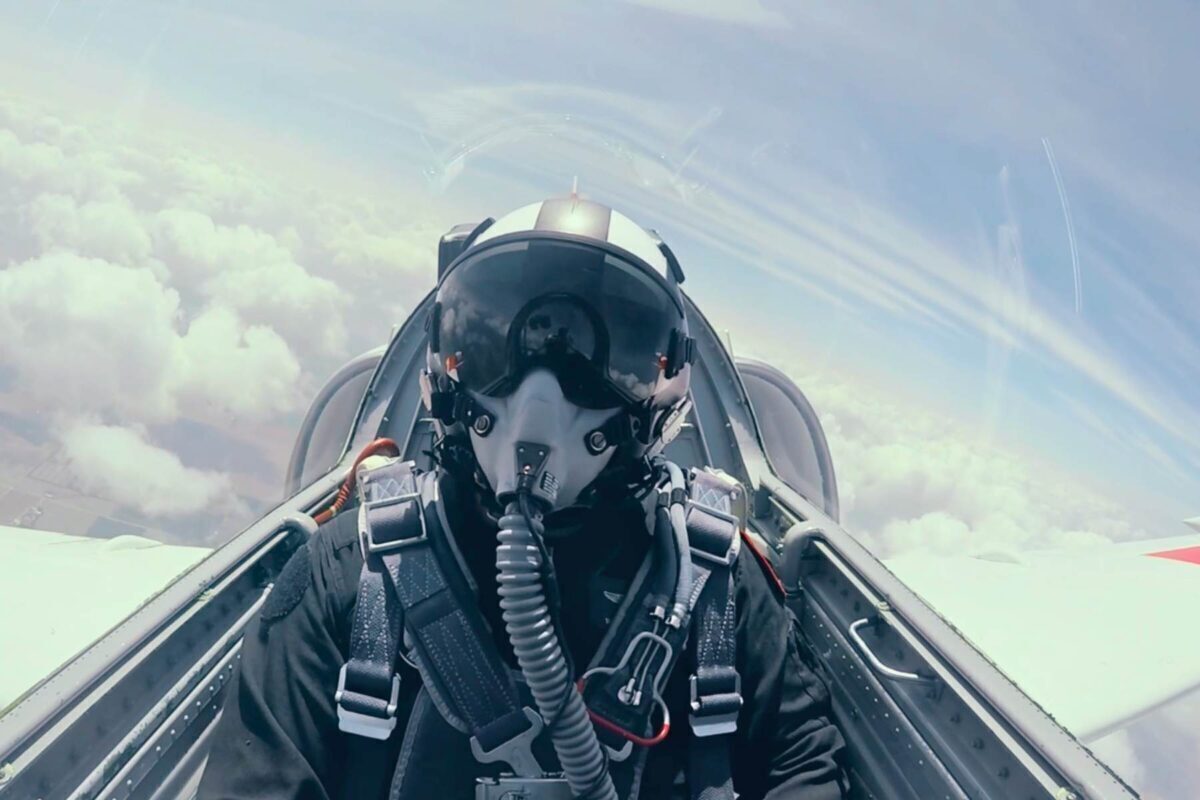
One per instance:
(1118, 752)
(1157, 754)
(912, 481)
(226, 369)
(143, 283)
(118, 463)
(250, 272)
(86, 334)
(108, 229)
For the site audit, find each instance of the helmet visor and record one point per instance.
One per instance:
(600, 324)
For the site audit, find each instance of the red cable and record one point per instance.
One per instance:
(348, 484)
(613, 727)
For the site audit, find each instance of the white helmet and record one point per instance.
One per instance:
(571, 290)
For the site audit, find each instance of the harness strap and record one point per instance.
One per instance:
(407, 559)
(413, 595)
(715, 686)
(369, 683)
(638, 637)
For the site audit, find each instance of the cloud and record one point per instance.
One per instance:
(249, 271)
(118, 463)
(144, 282)
(912, 481)
(108, 229)
(1118, 752)
(227, 369)
(87, 335)
(1158, 753)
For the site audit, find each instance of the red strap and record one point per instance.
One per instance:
(765, 564)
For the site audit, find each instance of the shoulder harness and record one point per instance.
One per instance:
(416, 602)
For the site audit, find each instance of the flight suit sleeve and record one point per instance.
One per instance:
(277, 732)
(787, 745)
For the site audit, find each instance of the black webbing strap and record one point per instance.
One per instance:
(617, 657)
(715, 686)
(453, 649)
(713, 534)
(369, 684)
(406, 553)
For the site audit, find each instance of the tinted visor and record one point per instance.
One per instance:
(600, 324)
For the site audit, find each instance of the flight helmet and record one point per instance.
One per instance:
(558, 348)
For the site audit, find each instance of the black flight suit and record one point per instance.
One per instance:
(278, 735)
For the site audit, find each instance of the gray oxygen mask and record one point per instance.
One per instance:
(538, 440)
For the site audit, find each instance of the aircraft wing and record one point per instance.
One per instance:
(1097, 636)
(60, 593)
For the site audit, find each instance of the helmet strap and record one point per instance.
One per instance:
(681, 350)
(450, 405)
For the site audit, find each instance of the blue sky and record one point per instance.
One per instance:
(969, 231)
(788, 138)
(878, 186)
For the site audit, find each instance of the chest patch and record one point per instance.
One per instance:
(289, 587)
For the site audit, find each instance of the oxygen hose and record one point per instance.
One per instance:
(683, 579)
(540, 656)
(667, 578)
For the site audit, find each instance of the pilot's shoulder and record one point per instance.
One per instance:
(754, 573)
(325, 564)
(340, 534)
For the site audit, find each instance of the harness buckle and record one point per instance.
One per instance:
(361, 723)
(507, 787)
(516, 751)
(369, 543)
(716, 704)
(701, 547)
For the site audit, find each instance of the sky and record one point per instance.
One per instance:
(967, 232)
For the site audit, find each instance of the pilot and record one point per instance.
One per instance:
(554, 610)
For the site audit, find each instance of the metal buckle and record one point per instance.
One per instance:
(367, 725)
(507, 787)
(713, 724)
(517, 752)
(368, 540)
(660, 675)
(727, 558)
(619, 755)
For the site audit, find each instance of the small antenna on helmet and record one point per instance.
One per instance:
(575, 188)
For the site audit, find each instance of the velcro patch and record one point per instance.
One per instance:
(289, 587)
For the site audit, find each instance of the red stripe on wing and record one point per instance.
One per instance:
(1189, 554)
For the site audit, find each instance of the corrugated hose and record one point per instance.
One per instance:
(539, 653)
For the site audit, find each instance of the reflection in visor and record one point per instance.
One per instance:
(557, 327)
(561, 332)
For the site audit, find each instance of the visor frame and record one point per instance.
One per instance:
(473, 254)
(472, 251)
